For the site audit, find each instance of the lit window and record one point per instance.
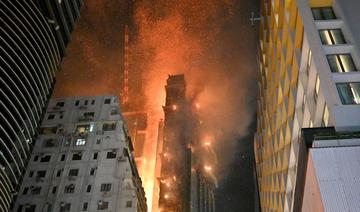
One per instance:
(317, 88)
(349, 92)
(308, 65)
(105, 187)
(80, 129)
(341, 63)
(326, 116)
(80, 142)
(323, 13)
(331, 37)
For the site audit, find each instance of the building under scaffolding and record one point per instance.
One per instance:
(182, 184)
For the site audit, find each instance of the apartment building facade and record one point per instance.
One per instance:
(309, 62)
(82, 160)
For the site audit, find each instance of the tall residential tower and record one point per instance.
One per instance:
(309, 62)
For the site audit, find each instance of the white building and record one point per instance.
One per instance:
(82, 160)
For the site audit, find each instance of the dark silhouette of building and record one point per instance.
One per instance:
(31, 50)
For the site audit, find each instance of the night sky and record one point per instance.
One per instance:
(211, 41)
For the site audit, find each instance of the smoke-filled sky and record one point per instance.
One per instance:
(210, 41)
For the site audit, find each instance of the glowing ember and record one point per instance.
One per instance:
(174, 107)
(207, 168)
(207, 144)
(197, 105)
(166, 196)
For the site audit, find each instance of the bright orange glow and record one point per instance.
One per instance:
(207, 144)
(174, 107)
(207, 168)
(166, 196)
(197, 105)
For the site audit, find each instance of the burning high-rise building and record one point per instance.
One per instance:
(182, 183)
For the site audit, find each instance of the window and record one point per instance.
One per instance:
(325, 119)
(45, 159)
(128, 204)
(92, 171)
(36, 190)
(25, 191)
(105, 187)
(323, 13)
(102, 205)
(28, 208)
(85, 206)
(69, 189)
(61, 116)
(60, 104)
(62, 157)
(349, 92)
(114, 111)
(49, 142)
(65, 207)
(36, 158)
(80, 142)
(47, 130)
(110, 155)
(88, 189)
(31, 173)
(54, 190)
(98, 141)
(341, 63)
(58, 173)
(331, 37)
(73, 172)
(86, 102)
(308, 65)
(77, 102)
(40, 174)
(109, 126)
(93, 102)
(107, 101)
(51, 116)
(95, 156)
(83, 128)
(77, 156)
(317, 88)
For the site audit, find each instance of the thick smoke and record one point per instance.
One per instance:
(203, 40)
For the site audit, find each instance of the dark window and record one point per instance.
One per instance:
(85, 206)
(77, 103)
(88, 189)
(60, 104)
(46, 158)
(93, 101)
(105, 187)
(107, 101)
(58, 173)
(69, 189)
(92, 171)
(128, 204)
(95, 156)
(40, 173)
(111, 154)
(51, 116)
(31, 173)
(323, 13)
(86, 102)
(62, 157)
(25, 191)
(65, 207)
(73, 172)
(54, 190)
(98, 141)
(61, 116)
(76, 156)
(109, 126)
(49, 142)
(341, 63)
(102, 205)
(47, 130)
(36, 158)
(30, 208)
(36, 190)
(349, 92)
